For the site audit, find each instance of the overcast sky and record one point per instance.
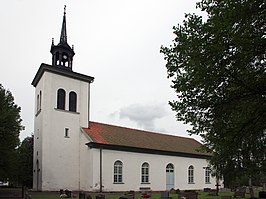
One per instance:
(117, 42)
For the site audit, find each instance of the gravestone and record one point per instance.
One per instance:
(82, 195)
(188, 195)
(7, 192)
(165, 195)
(262, 194)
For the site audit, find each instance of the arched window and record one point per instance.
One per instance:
(207, 175)
(190, 174)
(38, 102)
(145, 173)
(61, 99)
(118, 172)
(40, 106)
(170, 168)
(72, 101)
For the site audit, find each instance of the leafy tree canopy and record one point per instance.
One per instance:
(25, 162)
(10, 127)
(218, 70)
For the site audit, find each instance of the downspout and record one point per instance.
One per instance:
(101, 170)
(89, 106)
(79, 159)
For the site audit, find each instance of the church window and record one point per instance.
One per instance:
(40, 106)
(170, 168)
(190, 174)
(118, 172)
(38, 101)
(67, 132)
(38, 133)
(207, 175)
(72, 101)
(61, 99)
(145, 173)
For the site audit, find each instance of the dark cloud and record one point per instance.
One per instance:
(143, 115)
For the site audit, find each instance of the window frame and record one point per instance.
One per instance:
(38, 103)
(145, 171)
(61, 99)
(66, 132)
(191, 174)
(170, 168)
(207, 175)
(72, 102)
(118, 172)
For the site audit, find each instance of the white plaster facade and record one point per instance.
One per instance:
(132, 163)
(57, 156)
(62, 162)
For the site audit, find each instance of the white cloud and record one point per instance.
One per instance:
(143, 115)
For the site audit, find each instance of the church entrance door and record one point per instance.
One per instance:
(170, 177)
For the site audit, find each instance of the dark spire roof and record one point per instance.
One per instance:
(63, 36)
(62, 53)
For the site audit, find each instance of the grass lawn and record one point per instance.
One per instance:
(202, 195)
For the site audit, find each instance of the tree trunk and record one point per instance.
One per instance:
(251, 191)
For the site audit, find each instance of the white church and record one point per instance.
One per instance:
(72, 152)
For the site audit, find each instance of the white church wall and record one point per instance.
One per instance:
(61, 152)
(60, 156)
(95, 186)
(132, 171)
(86, 163)
(65, 162)
(84, 104)
(38, 128)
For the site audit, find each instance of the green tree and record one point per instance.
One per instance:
(218, 70)
(10, 127)
(25, 162)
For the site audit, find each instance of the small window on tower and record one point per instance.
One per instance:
(38, 133)
(39, 103)
(66, 132)
(38, 99)
(40, 106)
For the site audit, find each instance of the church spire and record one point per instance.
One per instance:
(63, 36)
(62, 53)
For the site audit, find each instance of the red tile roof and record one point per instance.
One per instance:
(106, 134)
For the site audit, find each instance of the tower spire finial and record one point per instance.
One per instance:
(63, 36)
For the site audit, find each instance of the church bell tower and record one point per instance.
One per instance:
(62, 53)
(61, 109)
